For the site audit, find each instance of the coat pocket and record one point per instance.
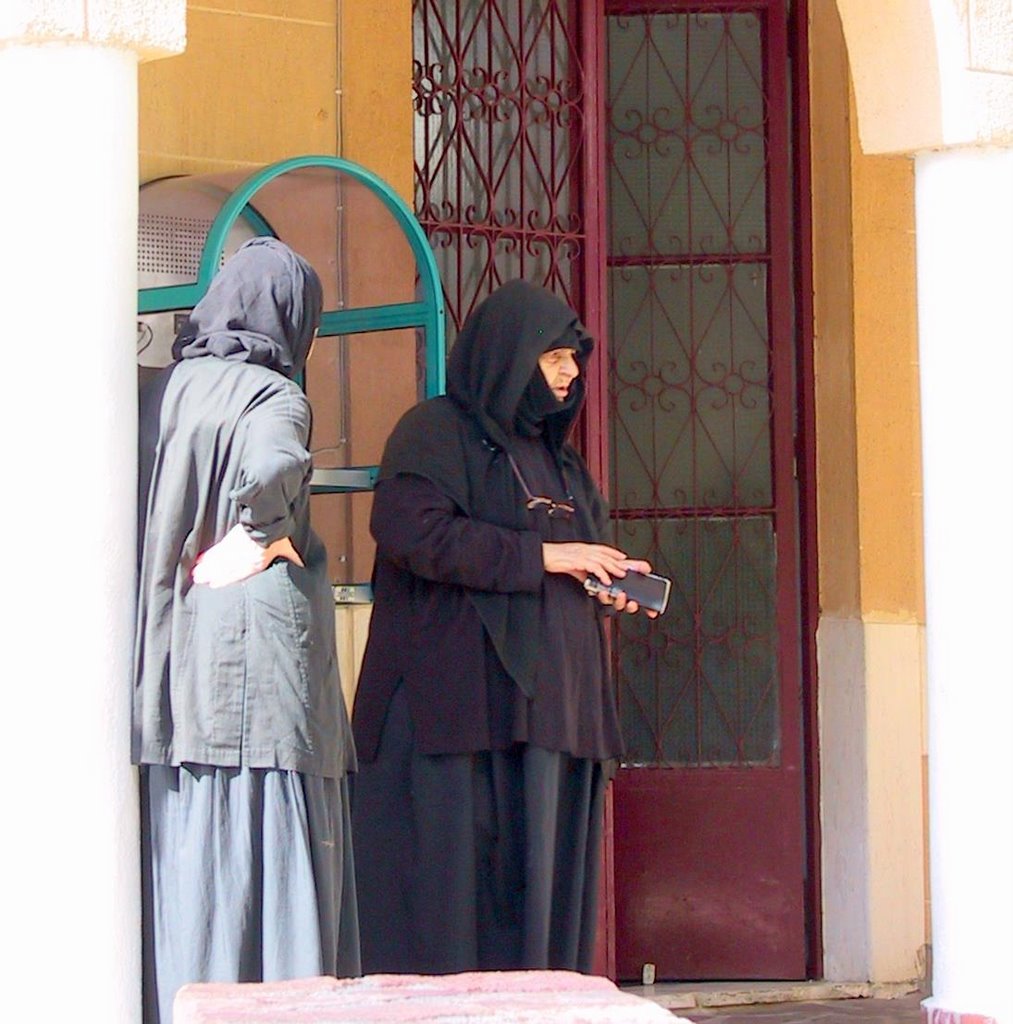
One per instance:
(287, 666)
(210, 681)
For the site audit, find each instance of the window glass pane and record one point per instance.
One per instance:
(690, 386)
(686, 134)
(699, 685)
(344, 376)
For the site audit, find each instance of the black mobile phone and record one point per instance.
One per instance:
(648, 589)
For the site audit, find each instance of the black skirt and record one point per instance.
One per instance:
(486, 861)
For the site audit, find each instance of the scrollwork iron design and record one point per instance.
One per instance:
(499, 130)
(690, 387)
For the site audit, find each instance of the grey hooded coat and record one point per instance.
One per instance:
(244, 675)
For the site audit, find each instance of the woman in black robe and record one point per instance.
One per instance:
(239, 724)
(484, 717)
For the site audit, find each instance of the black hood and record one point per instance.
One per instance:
(496, 354)
(262, 307)
(462, 443)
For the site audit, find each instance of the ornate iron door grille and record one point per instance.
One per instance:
(499, 145)
(696, 249)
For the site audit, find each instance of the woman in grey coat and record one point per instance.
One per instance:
(238, 719)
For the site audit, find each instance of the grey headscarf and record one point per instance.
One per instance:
(262, 307)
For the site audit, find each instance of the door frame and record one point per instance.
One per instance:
(805, 458)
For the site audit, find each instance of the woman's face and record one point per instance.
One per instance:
(560, 369)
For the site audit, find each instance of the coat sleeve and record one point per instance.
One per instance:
(276, 465)
(420, 529)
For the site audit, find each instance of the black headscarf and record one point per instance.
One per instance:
(261, 307)
(461, 442)
(493, 372)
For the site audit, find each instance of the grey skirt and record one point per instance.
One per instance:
(247, 875)
(486, 861)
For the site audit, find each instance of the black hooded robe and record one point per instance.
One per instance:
(484, 717)
(239, 723)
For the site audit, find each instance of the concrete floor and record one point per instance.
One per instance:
(902, 1010)
(788, 1003)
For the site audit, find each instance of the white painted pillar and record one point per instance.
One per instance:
(68, 194)
(965, 280)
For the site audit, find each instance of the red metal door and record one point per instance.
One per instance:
(709, 813)
(532, 117)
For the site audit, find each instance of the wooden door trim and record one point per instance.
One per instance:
(805, 456)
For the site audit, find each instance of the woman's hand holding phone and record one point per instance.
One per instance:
(641, 588)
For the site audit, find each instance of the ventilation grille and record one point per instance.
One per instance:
(169, 247)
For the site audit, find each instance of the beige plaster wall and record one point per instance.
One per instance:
(886, 387)
(870, 636)
(931, 74)
(376, 89)
(833, 319)
(869, 478)
(908, 115)
(265, 79)
(258, 82)
(891, 558)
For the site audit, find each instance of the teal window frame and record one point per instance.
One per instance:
(427, 312)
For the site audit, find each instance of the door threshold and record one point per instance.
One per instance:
(688, 995)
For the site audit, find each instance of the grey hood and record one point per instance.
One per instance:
(262, 307)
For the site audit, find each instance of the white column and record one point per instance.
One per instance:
(965, 280)
(68, 193)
